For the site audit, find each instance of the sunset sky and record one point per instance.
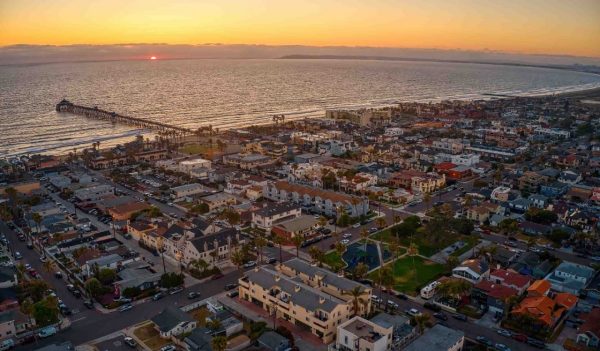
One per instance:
(526, 26)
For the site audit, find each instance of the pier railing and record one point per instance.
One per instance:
(95, 112)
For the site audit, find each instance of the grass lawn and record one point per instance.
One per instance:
(195, 149)
(382, 235)
(334, 260)
(148, 334)
(200, 315)
(408, 280)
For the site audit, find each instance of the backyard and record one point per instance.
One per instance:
(408, 279)
(149, 336)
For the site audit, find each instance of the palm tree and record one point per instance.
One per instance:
(364, 235)
(427, 200)
(279, 241)
(218, 343)
(413, 250)
(297, 240)
(384, 278)
(360, 271)
(380, 222)
(357, 299)
(37, 218)
(260, 242)
(451, 262)
(237, 258)
(48, 266)
(316, 254)
(421, 321)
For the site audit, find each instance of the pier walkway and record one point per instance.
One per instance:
(95, 112)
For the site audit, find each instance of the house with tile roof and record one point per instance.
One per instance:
(511, 279)
(588, 333)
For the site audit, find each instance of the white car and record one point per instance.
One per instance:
(413, 312)
(249, 264)
(347, 235)
(345, 241)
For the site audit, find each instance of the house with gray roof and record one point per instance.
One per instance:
(199, 340)
(571, 277)
(274, 341)
(172, 321)
(438, 338)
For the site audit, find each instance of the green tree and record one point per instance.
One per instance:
(279, 241)
(238, 258)
(384, 278)
(360, 271)
(171, 280)
(200, 208)
(45, 311)
(94, 287)
(260, 242)
(131, 292)
(421, 321)
(297, 240)
(218, 343)
(357, 299)
(37, 218)
(106, 276)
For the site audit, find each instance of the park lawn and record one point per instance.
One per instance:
(195, 149)
(334, 260)
(407, 279)
(383, 235)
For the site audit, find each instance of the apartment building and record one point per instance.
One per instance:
(326, 281)
(322, 201)
(188, 190)
(274, 149)
(359, 334)
(272, 214)
(94, 193)
(438, 338)
(295, 302)
(215, 249)
(247, 161)
(465, 159)
(453, 146)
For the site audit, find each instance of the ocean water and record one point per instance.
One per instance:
(235, 93)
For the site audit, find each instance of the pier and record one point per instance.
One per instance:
(161, 128)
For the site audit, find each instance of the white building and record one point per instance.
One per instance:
(438, 338)
(394, 132)
(465, 159)
(272, 214)
(473, 270)
(359, 334)
(94, 193)
(187, 190)
(188, 166)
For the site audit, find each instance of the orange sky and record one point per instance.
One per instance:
(527, 26)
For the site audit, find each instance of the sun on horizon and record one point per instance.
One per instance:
(152, 57)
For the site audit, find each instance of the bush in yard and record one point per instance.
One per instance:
(171, 280)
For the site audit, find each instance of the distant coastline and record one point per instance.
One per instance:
(591, 69)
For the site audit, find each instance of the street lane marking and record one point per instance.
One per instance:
(78, 319)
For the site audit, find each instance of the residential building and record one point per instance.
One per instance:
(94, 193)
(273, 341)
(472, 270)
(326, 281)
(482, 213)
(273, 149)
(248, 161)
(189, 190)
(322, 201)
(493, 295)
(272, 214)
(588, 333)
(172, 321)
(501, 194)
(571, 277)
(465, 159)
(215, 249)
(189, 166)
(438, 338)
(510, 279)
(219, 200)
(359, 334)
(295, 302)
(337, 147)
(124, 211)
(403, 331)
(303, 226)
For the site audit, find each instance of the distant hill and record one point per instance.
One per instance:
(575, 67)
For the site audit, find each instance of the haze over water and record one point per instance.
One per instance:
(235, 93)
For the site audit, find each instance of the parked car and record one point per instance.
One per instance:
(376, 299)
(18, 255)
(175, 290)
(504, 332)
(130, 342)
(193, 295)
(440, 316)
(536, 343)
(71, 287)
(230, 286)
(345, 241)
(520, 337)
(460, 317)
(89, 304)
(77, 294)
(432, 306)
(501, 347)
(249, 264)
(233, 293)
(7, 344)
(47, 332)
(58, 275)
(158, 296)
(401, 296)
(168, 348)
(485, 341)
(392, 304)
(413, 312)
(126, 307)
(346, 235)
(217, 276)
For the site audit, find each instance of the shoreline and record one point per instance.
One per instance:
(589, 93)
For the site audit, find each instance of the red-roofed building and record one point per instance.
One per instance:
(493, 295)
(511, 279)
(588, 333)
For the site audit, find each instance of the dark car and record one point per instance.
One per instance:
(485, 341)
(77, 294)
(460, 317)
(440, 316)
(217, 276)
(89, 304)
(230, 286)
(432, 306)
(233, 293)
(401, 296)
(536, 343)
(193, 295)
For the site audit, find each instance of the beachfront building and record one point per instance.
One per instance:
(359, 334)
(272, 214)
